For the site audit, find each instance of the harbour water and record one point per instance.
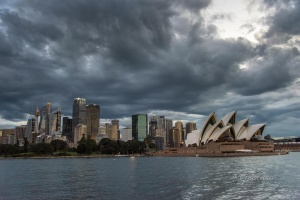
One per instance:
(262, 177)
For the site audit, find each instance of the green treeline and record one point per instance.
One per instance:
(85, 146)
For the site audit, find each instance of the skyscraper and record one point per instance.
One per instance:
(126, 134)
(115, 124)
(79, 113)
(169, 126)
(79, 132)
(44, 119)
(179, 126)
(30, 128)
(139, 127)
(55, 122)
(174, 138)
(92, 120)
(190, 126)
(67, 127)
(156, 122)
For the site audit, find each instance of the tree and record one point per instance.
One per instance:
(87, 146)
(58, 145)
(26, 143)
(42, 148)
(107, 146)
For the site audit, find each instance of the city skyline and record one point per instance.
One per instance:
(179, 59)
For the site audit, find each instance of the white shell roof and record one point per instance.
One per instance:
(209, 131)
(238, 126)
(213, 130)
(250, 131)
(227, 117)
(215, 136)
(192, 138)
(205, 125)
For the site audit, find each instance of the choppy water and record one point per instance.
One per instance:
(271, 177)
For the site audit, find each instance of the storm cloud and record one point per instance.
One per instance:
(132, 56)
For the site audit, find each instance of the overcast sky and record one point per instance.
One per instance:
(183, 59)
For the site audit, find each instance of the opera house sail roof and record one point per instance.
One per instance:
(226, 129)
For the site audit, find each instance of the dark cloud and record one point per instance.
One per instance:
(286, 19)
(128, 56)
(194, 5)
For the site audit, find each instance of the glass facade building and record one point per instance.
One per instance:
(139, 127)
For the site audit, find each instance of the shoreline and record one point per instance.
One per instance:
(154, 155)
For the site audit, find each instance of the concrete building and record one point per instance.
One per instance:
(159, 142)
(79, 113)
(112, 131)
(115, 123)
(92, 120)
(156, 122)
(126, 134)
(8, 136)
(20, 134)
(30, 129)
(102, 130)
(99, 137)
(45, 118)
(169, 126)
(80, 130)
(190, 126)
(55, 122)
(179, 126)
(174, 138)
(139, 127)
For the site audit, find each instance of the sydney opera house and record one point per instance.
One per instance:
(226, 129)
(224, 136)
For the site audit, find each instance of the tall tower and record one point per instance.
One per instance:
(48, 112)
(190, 126)
(115, 128)
(44, 119)
(55, 122)
(37, 114)
(79, 113)
(179, 126)
(67, 127)
(169, 126)
(139, 127)
(92, 120)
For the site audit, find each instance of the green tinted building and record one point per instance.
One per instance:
(139, 127)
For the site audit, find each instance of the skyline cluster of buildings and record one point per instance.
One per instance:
(47, 124)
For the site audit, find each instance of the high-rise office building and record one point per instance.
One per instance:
(8, 136)
(30, 128)
(126, 134)
(55, 122)
(156, 122)
(20, 134)
(169, 126)
(92, 120)
(79, 132)
(79, 113)
(174, 138)
(111, 131)
(45, 118)
(179, 126)
(67, 127)
(115, 123)
(190, 126)
(139, 127)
